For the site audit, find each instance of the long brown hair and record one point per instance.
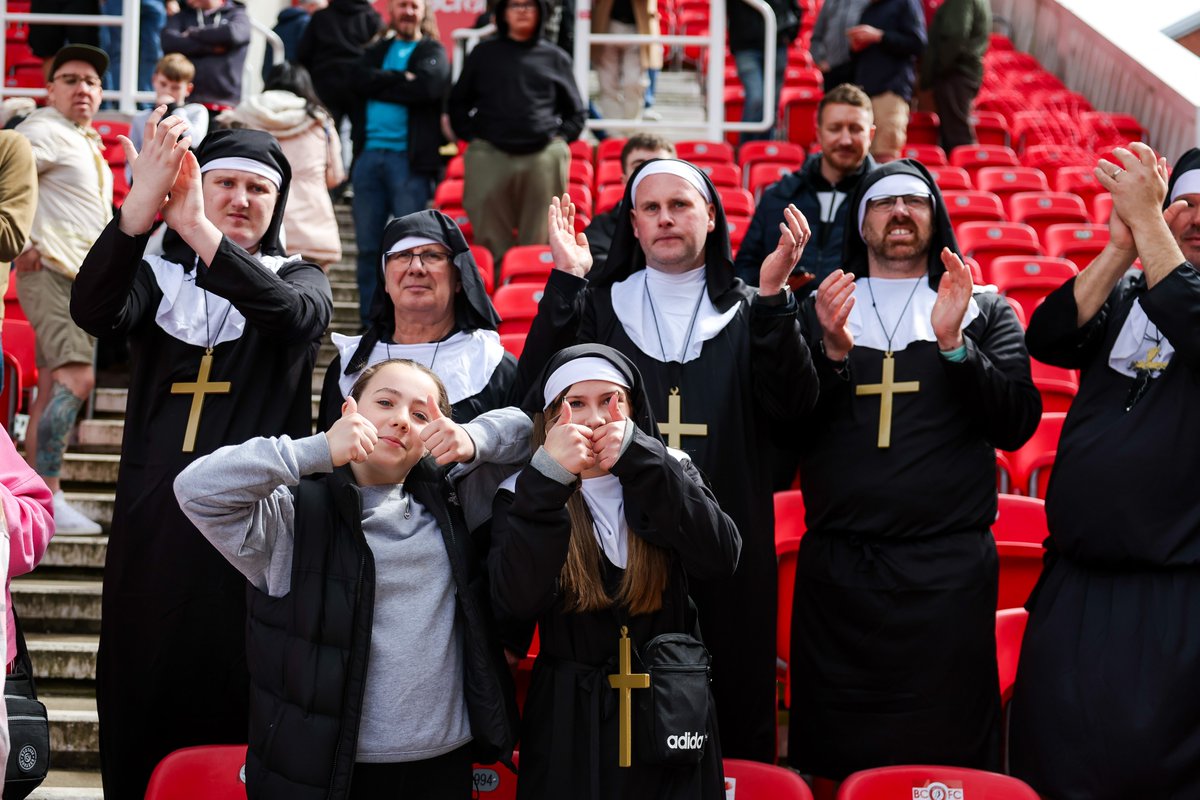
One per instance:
(647, 571)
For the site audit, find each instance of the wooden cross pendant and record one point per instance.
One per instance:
(886, 389)
(197, 390)
(675, 428)
(625, 681)
(1149, 364)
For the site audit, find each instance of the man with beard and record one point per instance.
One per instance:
(922, 377)
(1104, 705)
(819, 189)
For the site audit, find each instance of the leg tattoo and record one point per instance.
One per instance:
(53, 429)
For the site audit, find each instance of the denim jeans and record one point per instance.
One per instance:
(750, 73)
(153, 20)
(384, 187)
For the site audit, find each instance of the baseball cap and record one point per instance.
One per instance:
(81, 52)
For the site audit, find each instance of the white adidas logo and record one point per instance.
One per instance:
(686, 741)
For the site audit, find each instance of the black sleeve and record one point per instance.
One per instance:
(909, 38)
(1054, 335)
(781, 365)
(531, 530)
(461, 101)
(559, 323)
(571, 108)
(1174, 306)
(330, 409)
(295, 304)
(667, 503)
(113, 291)
(994, 379)
(424, 82)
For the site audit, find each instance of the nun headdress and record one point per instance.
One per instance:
(898, 178)
(1185, 178)
(473, 309)
(625, 256)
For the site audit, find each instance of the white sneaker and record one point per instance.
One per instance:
(69, 521)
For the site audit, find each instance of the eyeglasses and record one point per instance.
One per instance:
(430, 258)
(919, 202)
(72, 80)
(522, 6)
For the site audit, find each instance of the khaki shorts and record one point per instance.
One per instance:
(891, 125)
(45, 297)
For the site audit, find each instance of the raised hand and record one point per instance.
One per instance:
(185, 207)
(835, 298)
(953, 298)
(608, 438)
(570, 444)
(568, 246)
(352, 437)
(155, 169)
(1138, 184)
(793, 235)
(446, 440)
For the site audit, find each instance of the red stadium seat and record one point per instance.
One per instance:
(19, 342)
(12, 305)
(10, 396)
(610, 149)
(517, 304)
(1106, 129)
(969, 205)
(529, 263)
(764, 173)
(1102, 208)
(975, 157)
(752, 780)
(1050, 158)
(1020, 519)
(991, 128)
(759, 150)
(1080, 242)
(723, 175)
(1004, 182)
(456, 168)
(495, 781)
(449, 194)
(27, 76)
(211, 772)
(1019, 531)
(1057, 385)
(928, 154)
(950, 178)
(609, 173)
(462, 221)
(610, 197)
(703, 152)
(798, 112)
(487, 266)
(513, 343)
(1040, 210)
(1019, 311)
(581, 150)
(1027, 279)
(890, 783)
(737, 202)
(1010, 631)
(986, 241)
(809, 77)
(1030, 466)
(923, 128)
(1080, 181)
(789, 530)
(738, 225)
(1043, 126)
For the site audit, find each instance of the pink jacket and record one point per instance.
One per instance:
(29, 511)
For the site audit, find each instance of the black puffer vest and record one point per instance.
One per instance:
(307, 652)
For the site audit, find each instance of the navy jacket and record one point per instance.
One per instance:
(890, 65)
(805, 188)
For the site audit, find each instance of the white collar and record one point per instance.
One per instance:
(605, 498)
(650, 303)
(193, 315)
(891, 295)
(1137, 335)
(465, 361)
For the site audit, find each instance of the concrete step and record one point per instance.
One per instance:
(64, 784)
(92, 467)
(344, 291)
(110, 400)
(94, 505)
(63, 656)
(74, 730)
(101, 435)
(57, 605)
(76, 553)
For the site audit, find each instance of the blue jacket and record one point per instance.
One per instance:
(890, 65)
(805, 188)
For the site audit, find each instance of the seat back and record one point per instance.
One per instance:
(704, 152)
(1057, 385)
(975, 157)
(888, 783)
(1040, 210)
(20, 342)
(1079, 241)
(495, 781)
(751, 780)
(789, 529)
(987, 241)
(970, 205)
(1031, 465)
(950, 178)
(1010, 632)
(1027, 279)
(516, 303)
(928, 154)
(1004, 182)
(527, 263)
(210, 772)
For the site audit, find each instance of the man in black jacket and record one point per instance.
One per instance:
(402, 79)
(845, 126)
(517, 103)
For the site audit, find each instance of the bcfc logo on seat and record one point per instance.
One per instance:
(687, 741)
(938, 791)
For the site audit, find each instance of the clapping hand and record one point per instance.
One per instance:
(352, 437)
(793, 235)
(446, 440)
(953, 298)
(570, 444)
(835, 298)
(568, 246)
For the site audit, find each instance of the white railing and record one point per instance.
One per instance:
(1117, 65)
(715, 124)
